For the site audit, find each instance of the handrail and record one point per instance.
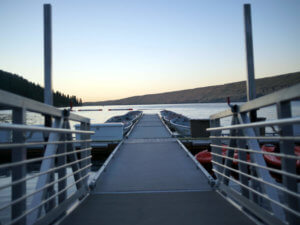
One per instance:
(47, 200)
(13, 100)
(260, 194)
(258, 152)
(59, 154)
(6, 126)
(28, 144)
(258, 124)
(283, 95)
(255, 174)
(294, 138)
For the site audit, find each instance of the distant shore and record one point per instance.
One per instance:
(218, 93)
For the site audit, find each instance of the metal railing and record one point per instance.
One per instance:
(263, 182)
(54, 192)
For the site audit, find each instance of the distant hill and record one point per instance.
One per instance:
(218, 93)
(20, 86)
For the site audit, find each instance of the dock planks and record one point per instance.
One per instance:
(152, 181)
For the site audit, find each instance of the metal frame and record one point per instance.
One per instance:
(59, 154)
(259, 193)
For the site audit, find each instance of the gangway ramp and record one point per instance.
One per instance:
(152, 180)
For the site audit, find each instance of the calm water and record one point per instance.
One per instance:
(193, 111)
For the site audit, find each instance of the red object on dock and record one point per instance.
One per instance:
(204, 157)
(275, 161)
(224, 150)
(236, 156)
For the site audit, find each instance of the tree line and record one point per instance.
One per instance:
(20, 86)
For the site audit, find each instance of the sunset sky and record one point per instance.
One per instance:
(105, 50)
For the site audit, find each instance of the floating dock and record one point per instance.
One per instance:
(151, 179)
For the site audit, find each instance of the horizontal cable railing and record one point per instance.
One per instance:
(28, 144)
(258, 137)
(47, 200)
(62, 179)
(258, 152)
(42, 173)
(5, 126)
(258, 124)
(264, 169)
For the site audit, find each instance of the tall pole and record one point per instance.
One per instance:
(251, 93)
(251, 90)
(48, 96)
(48, 99)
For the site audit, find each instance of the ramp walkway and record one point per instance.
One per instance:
(151, 180)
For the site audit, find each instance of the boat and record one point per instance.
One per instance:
(113, 130)
(177, 122)
(167, 116)
(128, 119)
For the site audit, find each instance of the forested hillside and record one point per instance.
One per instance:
(20, 86)
(218, 93)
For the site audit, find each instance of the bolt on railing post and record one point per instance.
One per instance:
(18, 172)
(288, 165)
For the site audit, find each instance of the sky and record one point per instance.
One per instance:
(104, 50)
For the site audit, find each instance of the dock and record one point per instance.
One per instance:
(152, 180)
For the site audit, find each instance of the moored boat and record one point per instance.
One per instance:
(177, 122)
(128, 119)
(113, 130)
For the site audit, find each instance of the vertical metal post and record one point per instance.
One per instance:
(62, 160)
(73, 157)
(230, 152)
(48, 99)
(88, 145)
(216, 123)
(243, 167)
(288, 165)
(259, 172)
(251, 92)
(84, 126)
(18, 172)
